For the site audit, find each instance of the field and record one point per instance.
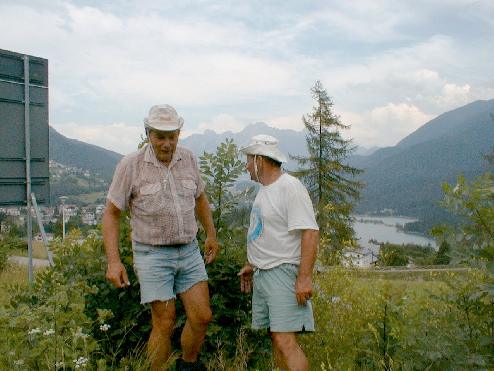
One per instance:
(400, 320)
(364, 320)
(39, 251)
(90, 198)
(12, 275)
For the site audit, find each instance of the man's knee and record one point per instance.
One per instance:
(202, 317)
(163, 316)
(284, 342)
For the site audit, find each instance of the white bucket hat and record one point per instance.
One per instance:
(163, 117)
(264, 145)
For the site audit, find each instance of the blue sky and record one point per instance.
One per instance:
(390, 66)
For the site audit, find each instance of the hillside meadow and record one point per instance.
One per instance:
(72, 319)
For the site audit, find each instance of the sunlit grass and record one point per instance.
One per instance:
(39, 251)
(14, 274)
(90, 198)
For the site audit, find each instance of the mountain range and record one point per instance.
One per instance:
(406, 178)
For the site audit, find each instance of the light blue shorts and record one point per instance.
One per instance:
(165, 271)
(274, 304)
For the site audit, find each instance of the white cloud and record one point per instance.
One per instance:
(385, 125)
(286, 122)
(365, 21)
(143, 58)
(454, 95)
(382, 62)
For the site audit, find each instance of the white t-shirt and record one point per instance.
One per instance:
(279, 213)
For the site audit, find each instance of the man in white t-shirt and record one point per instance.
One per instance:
(281, 249)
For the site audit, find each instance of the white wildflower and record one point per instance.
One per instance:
(49, 332)
(19, 362)
(104, 327)
(335, 299)
(59, 364)
(34, 331)
(11, 353)
(80, 362)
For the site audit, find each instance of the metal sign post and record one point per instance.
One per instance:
(42, 230)
(27, 135)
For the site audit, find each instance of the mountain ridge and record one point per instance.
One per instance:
(73, 152)
(406, 177)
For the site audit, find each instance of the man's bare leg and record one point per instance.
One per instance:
(159, 344)
(292, 355)
(196, 303)
(279, 362)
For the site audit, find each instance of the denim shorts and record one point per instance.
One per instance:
(274, 304)
(165, 271)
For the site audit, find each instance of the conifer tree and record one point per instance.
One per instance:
(328, 176)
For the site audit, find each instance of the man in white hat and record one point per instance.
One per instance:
(161, 187)
(282, 246)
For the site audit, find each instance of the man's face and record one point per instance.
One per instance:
(164, 144)
(249, 166)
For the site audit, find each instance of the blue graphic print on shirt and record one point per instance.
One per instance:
(256, 224)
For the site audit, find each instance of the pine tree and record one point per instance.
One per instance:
(329, 178)
(442, 257)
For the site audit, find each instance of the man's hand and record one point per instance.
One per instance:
(117, 275)
(303, 289)
(246, 278)
(211, 249)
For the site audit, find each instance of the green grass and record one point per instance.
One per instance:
(13, 274)
(427, 320)
(444, 274)
(90, 198)
(39, 251)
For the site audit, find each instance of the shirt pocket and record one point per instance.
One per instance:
(189, 185)
(188, 191)
(150, 189)
(149, 200)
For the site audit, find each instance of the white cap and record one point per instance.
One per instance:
(264, 145)
(163, 118)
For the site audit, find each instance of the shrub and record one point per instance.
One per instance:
(75, 301)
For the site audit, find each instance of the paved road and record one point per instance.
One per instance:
(22, 260)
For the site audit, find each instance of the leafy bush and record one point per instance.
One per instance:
(391, 255)
(13, 243)
(75, 301)
(7, 245)
(47, 324)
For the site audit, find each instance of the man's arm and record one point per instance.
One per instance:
(303, 285)
(205, 217)
(115, 272)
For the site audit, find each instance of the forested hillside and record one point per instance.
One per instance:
(74, 153)
(407, 178)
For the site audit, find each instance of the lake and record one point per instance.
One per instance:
(383, 229)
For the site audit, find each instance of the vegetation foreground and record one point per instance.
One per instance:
(72, 319)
